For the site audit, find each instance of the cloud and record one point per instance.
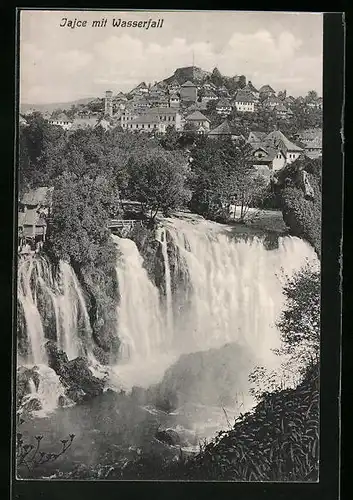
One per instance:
(121, 62)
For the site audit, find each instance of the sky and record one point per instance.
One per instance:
(61, 64)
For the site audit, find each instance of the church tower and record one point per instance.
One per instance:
(108, 103)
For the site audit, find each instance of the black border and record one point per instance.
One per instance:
(327, 488)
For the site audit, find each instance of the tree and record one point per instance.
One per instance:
(216, 77)
(170, 140)
(222, 171)
(158, 181)
(81, 209)
(311, 96)
(242, 81)
(299, 326)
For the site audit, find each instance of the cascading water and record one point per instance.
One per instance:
(236, 293)
(53, 307)
(162, 235)
(53, 303)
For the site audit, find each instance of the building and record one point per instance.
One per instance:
(279, 141)
(266, 91)
(108, 103)
(265, 155)
(174, 100)
(289, 100)
(62, 121)
(84, 123)
(22, 121)
(188, 92)
(271, 102)
(244, 102)
(154, 120)
(311, 139)
(174, 86)
(315, 104)
(249, 87)
(209, 86)
(140, 104)
(208, 96)
(33, 210)
(223, 107)
(197, 106)
(145, 123)
(256, 137)
(222, 131)
(283, 112)
(199, 121)
(273, 149)
(141, 89)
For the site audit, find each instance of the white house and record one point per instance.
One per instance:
(244, 102)
(200, 121)
(223, 107)
(62, 121)
(273, 149)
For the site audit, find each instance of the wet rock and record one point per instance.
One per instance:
(57, 359)
(32, 404)
(23, 382)
(64, 401)
(168, 436)
(75, 375)
(101, 356)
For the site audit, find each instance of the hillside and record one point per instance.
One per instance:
(50, 107)
(192, 73)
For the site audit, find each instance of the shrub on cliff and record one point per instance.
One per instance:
(300, 212)
(158, 180)
(79, 234)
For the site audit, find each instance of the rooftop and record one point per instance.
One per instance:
(222, 129)
(243, 96)
(197, 116)
(40, 196)
(60, 118)
(278, 140)
(30, 218)
(188, 84)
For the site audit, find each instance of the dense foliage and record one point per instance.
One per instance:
(222, 174)
(158, 181)
(301, 212)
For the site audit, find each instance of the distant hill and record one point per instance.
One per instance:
(50, 107)
(192, 73)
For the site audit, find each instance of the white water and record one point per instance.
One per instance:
(168, 282)
(36, 282)
(236, 296)
(231, 292)
(48, 391)
(141, 324)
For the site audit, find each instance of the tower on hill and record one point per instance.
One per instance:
(108, 103)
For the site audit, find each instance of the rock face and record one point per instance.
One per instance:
(74, 374)
(25, 376)
(298, 190)
(212, 377)
(168, 436)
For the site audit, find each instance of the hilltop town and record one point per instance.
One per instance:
(194, 100)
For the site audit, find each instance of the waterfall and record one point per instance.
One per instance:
(33, 320)
(236, 292)
(141, 324)
(168, 281)
(53, 307)
(48, 391)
